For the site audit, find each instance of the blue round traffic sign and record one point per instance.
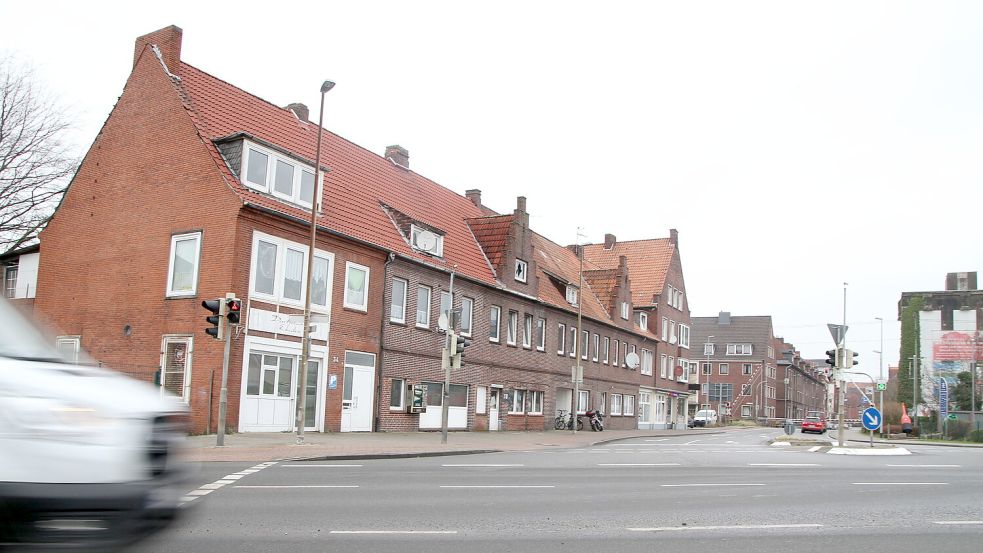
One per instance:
(871, 418)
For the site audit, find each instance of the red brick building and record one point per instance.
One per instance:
(195, 188)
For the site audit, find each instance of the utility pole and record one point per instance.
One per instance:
(972, 383)
(880, 374)
(578, 371)
(448, 336)
(841, 346)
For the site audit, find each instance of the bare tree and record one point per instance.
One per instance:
(35, 162)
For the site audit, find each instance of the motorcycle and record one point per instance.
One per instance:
(596, 419)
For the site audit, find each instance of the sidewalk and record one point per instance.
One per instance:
(280, 446)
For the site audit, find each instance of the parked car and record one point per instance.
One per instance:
(705, 417)
(87, 455)
(814, 424)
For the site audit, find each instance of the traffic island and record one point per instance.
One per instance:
(796, 440)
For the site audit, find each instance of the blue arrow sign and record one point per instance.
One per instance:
(871, 418)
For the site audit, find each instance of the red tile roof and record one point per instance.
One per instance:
(493, 235)
(648, 263)
(556, 263)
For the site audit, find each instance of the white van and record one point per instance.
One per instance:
(87, 455)
(705, 417)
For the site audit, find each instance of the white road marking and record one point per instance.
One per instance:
(318, 466)
(638, 464)
(783, 465)
(957, 522)
(498, 486)
(744, 527)
(900, 483)
(705, 485)
(928, 466)
(281, 487)
(483, 465)
(206, 489)
(393, 532)
(657, 440)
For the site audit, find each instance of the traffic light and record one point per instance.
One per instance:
(848, 358)
(233, 307)
(831, 358)
(459, 343)
(216, 319)
(447, 352)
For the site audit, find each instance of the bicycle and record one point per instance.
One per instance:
(564, 422)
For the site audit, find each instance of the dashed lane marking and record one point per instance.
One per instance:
(742, 527)
(706, 485)
(320, 466)
(222, 482)
(393, 532)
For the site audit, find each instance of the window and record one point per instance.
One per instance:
(518, 401)
(746, 411)
(280, 176)
(583, 400)
(683, 336)
(541, 334)
(597, 343)
(643, 320)
(446, 304)
(356, 286)
(396, 388)
(771, 352)
(520, 270)
(423, 294)
(10, 279)
(467, 310)
(745, 389)
(424, 240)
(614, 359)
(708, 349)
(584, 344)
(182, 272)
(534, 402)
(633, 350)
(573, 341)
(625, 310)
(68, 347)
(561, 339)
(513, 327)
(571, 295)
(746, 368)
(397, 303)
(527, 331)
(175, 374)
(607, 347)
(672, 332)
(665, 328)
(494, 314)
(279, 269)
(707, 368)
(672, 367)
(269, 375)
(480, 400)
(616, 404)
(724, 368)
(629, 405)
(738, 349)
(647, 362)
(663, 366)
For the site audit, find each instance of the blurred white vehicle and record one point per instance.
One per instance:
(87, 455)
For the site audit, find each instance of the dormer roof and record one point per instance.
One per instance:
(648, 264)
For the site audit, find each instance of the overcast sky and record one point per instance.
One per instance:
(795, 146)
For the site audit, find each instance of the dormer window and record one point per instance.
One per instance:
(571, 295)
(521, 270)
(275, 174)
(624, 310)
(643, 320)
(427, 241)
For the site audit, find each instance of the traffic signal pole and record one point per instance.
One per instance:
(449, 338)
(223, 397)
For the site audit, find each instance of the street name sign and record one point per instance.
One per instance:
(943, 398)
(871, 418)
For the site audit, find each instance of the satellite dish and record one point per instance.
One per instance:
(442, 321)
(426, 240)
(632, 360)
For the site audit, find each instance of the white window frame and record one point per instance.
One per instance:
(625, 311)
(185, 371)
(597, 345)
(672, 332)
(438, 243)
(535, 398)
(707, 368)
(397, 314)
(541, 334)
(647, 362)
(467, 314)
(747, 368)
(663, 363)
(707, 348)
(723, 369)
(527, 330)
(402, 394)
(561, 346)
(745, 389)
(771, 352)
(617, 352)
(643, 320)
(739, 349)
(364, 306)
(74, 342)
(269, 187)
(494, 329)
(446, 304)
(585, 344)
(628, 408)
(171, 292)
(684, 336)
(616, 404)
(521, 271)
(518, 406)
(513, 328)
(573, 341)
(571, 294)
(282, 245)
(583, 400)
(429, 290)
(665, 328)
(745, 411)
(607, 348)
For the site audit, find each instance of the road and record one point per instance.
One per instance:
(687, 493)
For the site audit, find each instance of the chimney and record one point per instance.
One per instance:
(398, 155)
(673, 237)
(723, 318)
(521, 215)
(301, 111)
(609, 241)
(168, 41)
(474, 195)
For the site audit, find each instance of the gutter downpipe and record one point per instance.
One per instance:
(382, 346)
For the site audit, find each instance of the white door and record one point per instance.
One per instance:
(356, 404)
(457, 411)
(269, 402)
(493, 400)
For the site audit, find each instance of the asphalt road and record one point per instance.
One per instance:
(688, 493)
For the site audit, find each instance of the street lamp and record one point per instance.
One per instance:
(706, 351)
(305, 351)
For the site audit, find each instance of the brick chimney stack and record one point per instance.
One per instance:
(609, 241)
(474, 195)
(674, 237)
(398, 155)
(521, 215)
(301, 111)
(168, 41)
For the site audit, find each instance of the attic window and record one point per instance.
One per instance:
(624, 310)
(571, 295)
(270, 173)
(426, 241)
(521, 268)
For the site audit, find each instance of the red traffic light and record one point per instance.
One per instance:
(233, 309)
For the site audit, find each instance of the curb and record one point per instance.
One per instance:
(368, 456)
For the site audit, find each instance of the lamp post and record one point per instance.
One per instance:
(880, 370)
(578, 370)
(305, 351)
(706, 351)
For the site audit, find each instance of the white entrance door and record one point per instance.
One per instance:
(645, 410)
(356, 404)
(493, 401)
(269, 401)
